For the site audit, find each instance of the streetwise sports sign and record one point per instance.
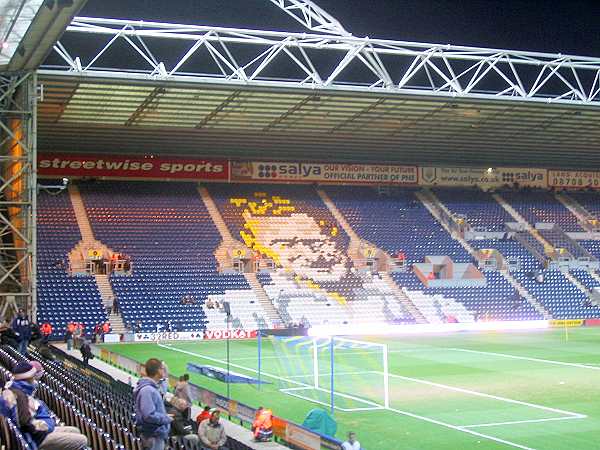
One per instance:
(122, 166)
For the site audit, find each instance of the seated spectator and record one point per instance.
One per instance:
(351, 443)
(262, 427)
(182, 426)
(212, 433)
(8, 336)
(33, 417)
(152, 420)
(204, 415)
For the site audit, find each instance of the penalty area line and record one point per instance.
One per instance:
(516, 422)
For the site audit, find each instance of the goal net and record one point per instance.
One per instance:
(341, 373)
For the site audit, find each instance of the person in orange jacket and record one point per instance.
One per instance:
(262, 427)
(46, 330)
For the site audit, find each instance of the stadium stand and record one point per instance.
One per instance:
(316, 283)
(62, 298)
(542, 206)
(400, 222)
(167, 231)
(475, 205)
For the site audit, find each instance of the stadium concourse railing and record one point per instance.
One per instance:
(286, 432)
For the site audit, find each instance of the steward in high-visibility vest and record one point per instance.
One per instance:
(263, 424)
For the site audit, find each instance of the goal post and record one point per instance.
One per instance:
(337, 372)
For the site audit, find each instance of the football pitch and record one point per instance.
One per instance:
(494, 390)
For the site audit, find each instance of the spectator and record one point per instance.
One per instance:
(115, 305)
(204, 415)
(69, 335)
(46, 330)
(182, 391)
(86, 352)
(39, 370)
(212, 433)
(262, 427)
(163, 385)
(138, 327)
(32, 415)
(105, 329)
(182, 426)
(152, 420)
(8, 336)
(22, 328)
(96, 332)
(78, 334)
(36, 335)
(351, 443)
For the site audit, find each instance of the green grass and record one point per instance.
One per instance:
(438, 385)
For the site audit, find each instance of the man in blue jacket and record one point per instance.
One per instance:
(152, 420)
(22, 327)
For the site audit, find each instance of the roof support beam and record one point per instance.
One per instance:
(342, 62)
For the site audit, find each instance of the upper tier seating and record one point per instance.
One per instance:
(62, 298)
(589, 200)
(475, 205)
(541, 206)
(170, 237)
(395, 223)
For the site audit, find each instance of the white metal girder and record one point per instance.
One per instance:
(312, 16)
(347, 63)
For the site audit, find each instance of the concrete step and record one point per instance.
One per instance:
(403, 299)
(264, 300)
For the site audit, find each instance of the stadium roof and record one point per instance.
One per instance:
(147, 87)
(29, 28)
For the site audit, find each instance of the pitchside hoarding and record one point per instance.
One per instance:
(122, 166)
(324, 173)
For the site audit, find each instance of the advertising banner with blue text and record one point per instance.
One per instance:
(483, 177)
(324, 173)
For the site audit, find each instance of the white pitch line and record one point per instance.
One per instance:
(495, 424)
(397, 411)
(527, 358)
(458, 428)
(495, 397)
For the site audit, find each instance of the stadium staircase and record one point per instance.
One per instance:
(586, 218)
(264, 300)
(353, 249)
(531, 238)
(221, 254)
(434, 205)
(89, 241)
